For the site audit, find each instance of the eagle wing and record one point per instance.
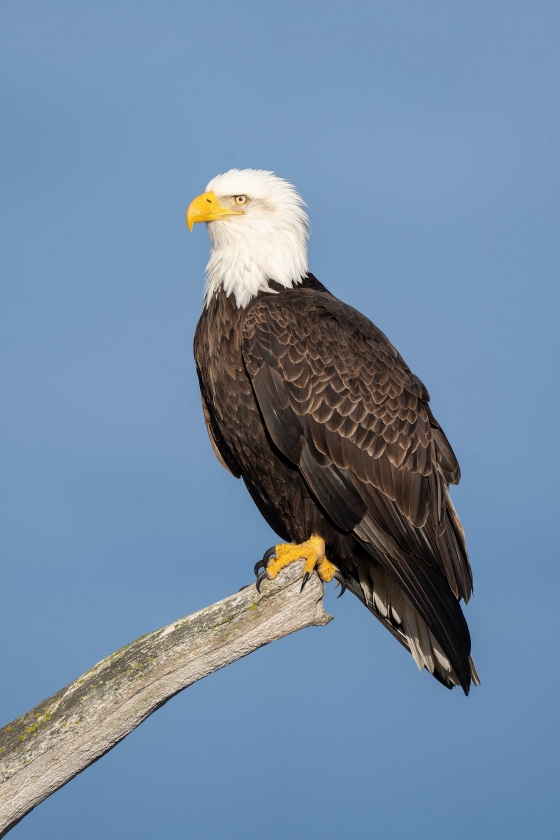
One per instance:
(221, 450)
(341, 405)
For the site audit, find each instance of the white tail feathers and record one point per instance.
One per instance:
(395, 610)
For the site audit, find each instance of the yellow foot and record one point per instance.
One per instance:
(312, 551)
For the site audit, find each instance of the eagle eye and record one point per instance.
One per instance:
(240, 200)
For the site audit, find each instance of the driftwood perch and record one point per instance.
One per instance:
(48, 746)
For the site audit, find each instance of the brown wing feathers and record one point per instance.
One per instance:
(342, 406)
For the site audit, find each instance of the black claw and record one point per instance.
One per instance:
(258, 566)
(260, 578)
(340, 580)
(304, 581)
(262, 564)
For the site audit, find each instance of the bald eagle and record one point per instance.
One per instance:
(310, 404)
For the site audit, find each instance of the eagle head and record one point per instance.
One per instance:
(258, 231)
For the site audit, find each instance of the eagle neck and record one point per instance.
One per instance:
(246, 257)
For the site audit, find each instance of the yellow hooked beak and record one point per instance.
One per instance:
(206, 208)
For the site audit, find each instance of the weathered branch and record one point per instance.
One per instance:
(48, 746)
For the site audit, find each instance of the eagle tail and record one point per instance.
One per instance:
(394, 609)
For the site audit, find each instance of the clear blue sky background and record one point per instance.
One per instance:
(424, 138)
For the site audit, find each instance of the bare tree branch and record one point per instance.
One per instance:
(48, 746)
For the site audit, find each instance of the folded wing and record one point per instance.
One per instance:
(341, 404)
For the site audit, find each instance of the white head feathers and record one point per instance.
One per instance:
(267, 242)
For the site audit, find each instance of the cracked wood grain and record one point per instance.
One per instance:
(44, 749)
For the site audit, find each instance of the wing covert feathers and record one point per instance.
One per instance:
(342, 406)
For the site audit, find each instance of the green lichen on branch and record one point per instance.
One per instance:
(49, 745)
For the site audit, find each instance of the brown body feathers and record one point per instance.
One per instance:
(308, 402)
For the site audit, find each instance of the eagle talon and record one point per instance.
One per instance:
(262, 564)
(304, 581)
(279, 556)
(258, 566)
(263, 576)
(340, 582)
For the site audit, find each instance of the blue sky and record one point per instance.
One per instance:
(424, 138)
